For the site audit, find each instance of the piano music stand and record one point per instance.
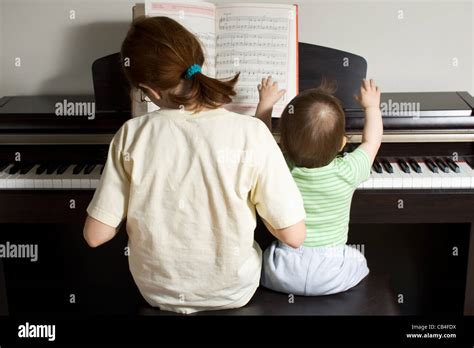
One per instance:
(111, 89)
(315, 63)
(346, 69)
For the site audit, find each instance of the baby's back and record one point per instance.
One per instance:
(327, 193)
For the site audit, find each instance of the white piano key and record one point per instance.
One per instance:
(38, 180)
(446, 180)
(397, 182)
(48, 183)
(11, 180)
(76, 182)
(466, 174)
(435, 177)
(455, 178)
(387, 180)
(28, 178)
(57, 181)
(427, 176)
(85, 183)
(67, 177)
(95, 177)
(3, 176)
(417, 179)
(369, 183)
(377, 180)
(407, 178)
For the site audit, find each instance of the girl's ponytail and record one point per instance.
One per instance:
(207, 92)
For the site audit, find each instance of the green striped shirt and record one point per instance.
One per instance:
(327, 193)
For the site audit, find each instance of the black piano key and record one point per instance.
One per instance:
(377, 167)
(15, 168)
(26, 168)
(431, 165)
(62, 168)
(41, 168)
(52, 168)
(403, 166)
(89, 168)
(386, 165)
(442, 165)
(451, 164)
(414, 165)
(4, 165)
(78, 168)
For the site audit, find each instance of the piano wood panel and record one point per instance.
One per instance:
(469, 295)
(419, 206)
(29, 206)
(3, 292)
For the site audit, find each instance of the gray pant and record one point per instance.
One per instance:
(312, 271)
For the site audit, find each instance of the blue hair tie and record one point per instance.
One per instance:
(193, 69)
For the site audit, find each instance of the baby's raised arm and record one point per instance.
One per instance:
(369, 99)
(269, 95)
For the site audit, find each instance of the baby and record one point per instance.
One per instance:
(312, 136)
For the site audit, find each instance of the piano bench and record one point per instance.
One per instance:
(372, 296)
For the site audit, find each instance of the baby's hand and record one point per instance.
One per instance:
(269, 93)
(369, 94)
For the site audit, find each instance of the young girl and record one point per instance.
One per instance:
(312, 135)
(189, 178)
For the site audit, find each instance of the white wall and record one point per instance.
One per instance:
(411, 54)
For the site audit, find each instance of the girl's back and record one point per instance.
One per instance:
(189, 179)
(189, 223)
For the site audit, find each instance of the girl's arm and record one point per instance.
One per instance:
(293, 236)
(269, 96)
(97, 233)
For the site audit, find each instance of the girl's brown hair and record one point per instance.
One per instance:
(313, 127)
(159, 50)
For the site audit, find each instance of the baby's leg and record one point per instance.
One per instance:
(335, 270)
(285, 268)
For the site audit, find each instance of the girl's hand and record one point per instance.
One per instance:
(269, 93)
(369, 94)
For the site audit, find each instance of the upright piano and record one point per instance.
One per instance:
(424, 173)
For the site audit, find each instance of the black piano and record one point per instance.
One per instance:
(415, 215)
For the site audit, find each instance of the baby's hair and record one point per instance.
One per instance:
(159, 51)
(313, 127)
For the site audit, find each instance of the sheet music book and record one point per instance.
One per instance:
(256, 40)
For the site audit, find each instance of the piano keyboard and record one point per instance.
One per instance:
(430, 173)
(437, 173)
(49, 176)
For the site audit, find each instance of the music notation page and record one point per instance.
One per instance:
(258, 40)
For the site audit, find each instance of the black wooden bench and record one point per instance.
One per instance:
(372, 296)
